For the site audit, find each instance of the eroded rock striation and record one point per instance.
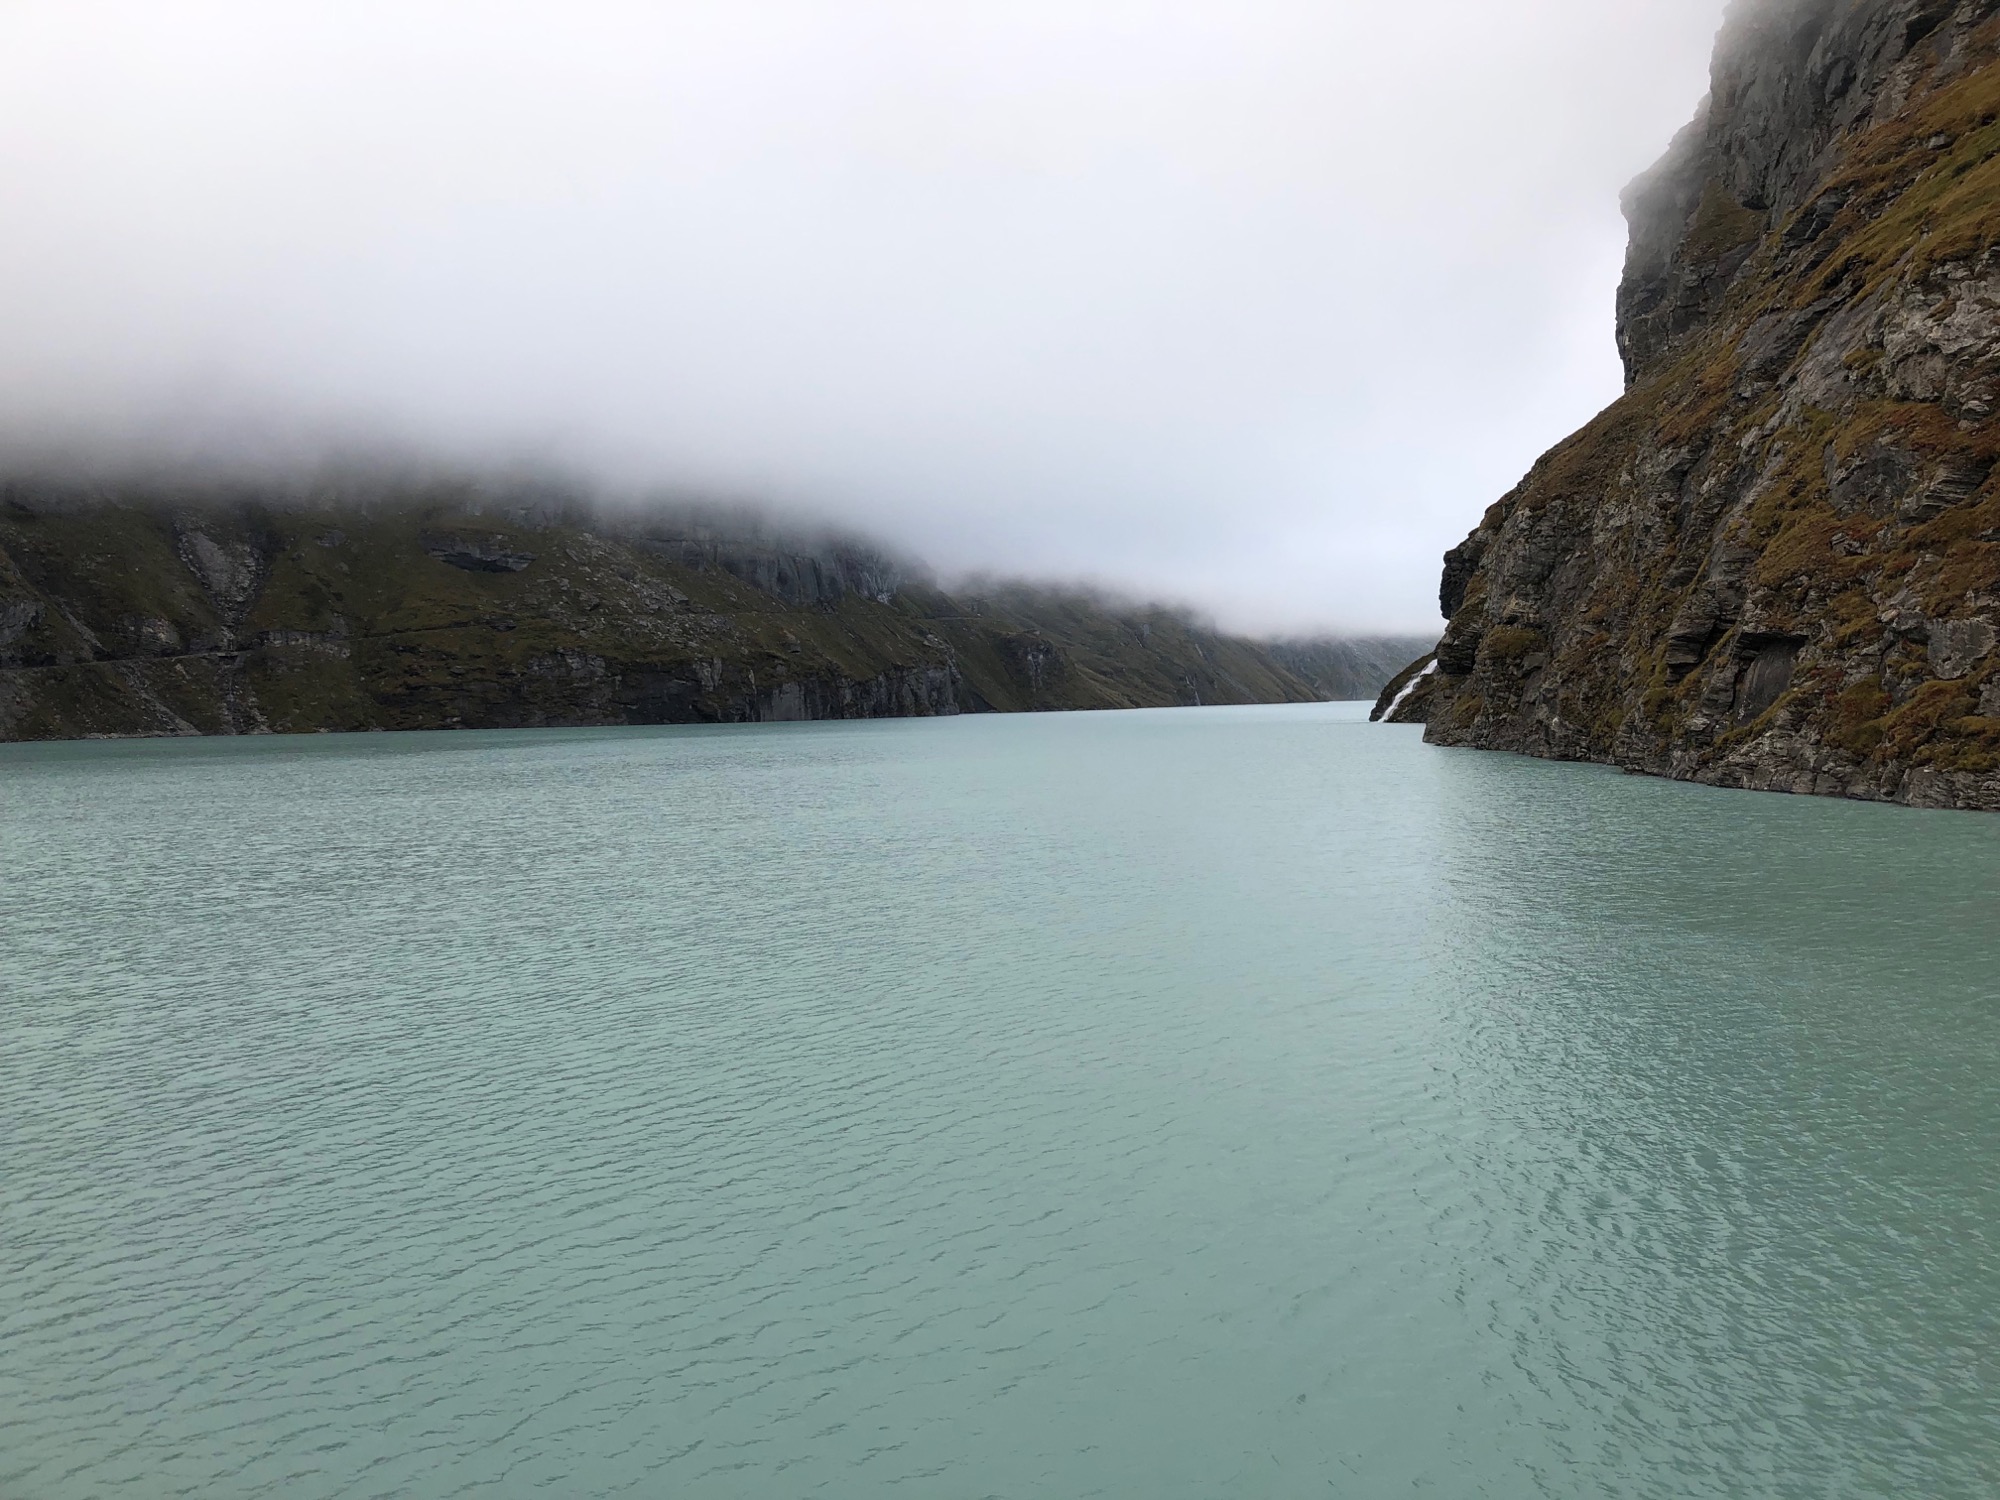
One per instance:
(146, 610)
(1775, 562)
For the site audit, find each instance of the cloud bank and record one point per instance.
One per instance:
(1250, 303)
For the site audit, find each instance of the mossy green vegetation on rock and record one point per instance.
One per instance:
(1775, 562)
(141, 611)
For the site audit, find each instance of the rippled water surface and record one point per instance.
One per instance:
(1162, 1105)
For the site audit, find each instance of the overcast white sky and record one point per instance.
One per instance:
(1255, 304)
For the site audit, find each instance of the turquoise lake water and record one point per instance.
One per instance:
(1208, 1103)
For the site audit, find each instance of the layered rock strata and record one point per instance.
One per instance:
(1775, 562)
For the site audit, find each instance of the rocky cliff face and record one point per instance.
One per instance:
(1775, 562)
(205, 612)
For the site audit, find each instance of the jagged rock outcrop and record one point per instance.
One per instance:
(143, 611)
(1775, 562)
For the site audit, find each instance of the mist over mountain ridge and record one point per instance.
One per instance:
(1141, 294)
(539, 495)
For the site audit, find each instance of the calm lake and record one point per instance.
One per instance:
(1176, 1105)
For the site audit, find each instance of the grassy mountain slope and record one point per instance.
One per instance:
(142, 612)
(1347, 671)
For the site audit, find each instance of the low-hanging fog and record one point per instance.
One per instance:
(1253, 304)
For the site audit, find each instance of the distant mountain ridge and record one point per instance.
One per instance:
(142, 610)
(1345, 669)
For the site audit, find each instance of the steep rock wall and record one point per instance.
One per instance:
(1775, 563)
